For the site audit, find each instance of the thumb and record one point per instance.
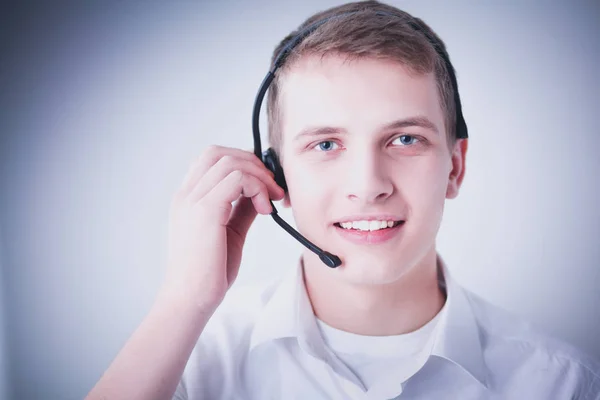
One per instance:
(242, 216)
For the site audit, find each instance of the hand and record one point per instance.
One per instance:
(206, 232)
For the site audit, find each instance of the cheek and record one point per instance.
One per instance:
(307, 185)
(310, 193)
(426, 193)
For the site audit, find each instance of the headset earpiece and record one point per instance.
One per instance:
(271, 161)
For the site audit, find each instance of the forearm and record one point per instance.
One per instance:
(152, 361)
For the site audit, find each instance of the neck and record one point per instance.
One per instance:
(395, 308)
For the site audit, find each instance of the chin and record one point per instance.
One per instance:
(369, 270)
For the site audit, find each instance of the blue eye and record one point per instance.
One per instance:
(326, 145)
(406, 140)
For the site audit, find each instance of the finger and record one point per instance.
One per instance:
(239, 223)
(224, 166)
(242, 216)
(207, 159)
(234, 185)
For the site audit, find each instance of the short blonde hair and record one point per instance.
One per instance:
(366, 29)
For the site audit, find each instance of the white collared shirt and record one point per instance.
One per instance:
(265, 343)
(382, 363)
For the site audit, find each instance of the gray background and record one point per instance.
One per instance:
(103, 106)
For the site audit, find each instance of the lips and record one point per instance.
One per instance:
(363, 237)
(366, 225)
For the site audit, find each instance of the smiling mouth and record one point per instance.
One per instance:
(367, 226)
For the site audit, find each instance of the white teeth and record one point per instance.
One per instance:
(367, 225)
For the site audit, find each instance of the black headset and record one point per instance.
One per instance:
(269, 157)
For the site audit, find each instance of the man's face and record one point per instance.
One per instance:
(365, 140)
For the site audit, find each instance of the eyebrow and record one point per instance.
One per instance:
(419, 121)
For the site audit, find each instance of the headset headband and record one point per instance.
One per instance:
(461, 126)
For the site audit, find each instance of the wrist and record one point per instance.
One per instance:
(185, 302)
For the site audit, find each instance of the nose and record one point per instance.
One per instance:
(368, 178)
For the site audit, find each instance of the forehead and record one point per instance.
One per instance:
(358, 95)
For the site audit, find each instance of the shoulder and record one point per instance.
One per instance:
(210, 371)
(516, 350)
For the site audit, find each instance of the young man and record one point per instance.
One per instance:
(363, 117)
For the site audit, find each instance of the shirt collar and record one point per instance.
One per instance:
(458, 334)
(289, 314)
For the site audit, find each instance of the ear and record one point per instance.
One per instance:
(457, 174)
